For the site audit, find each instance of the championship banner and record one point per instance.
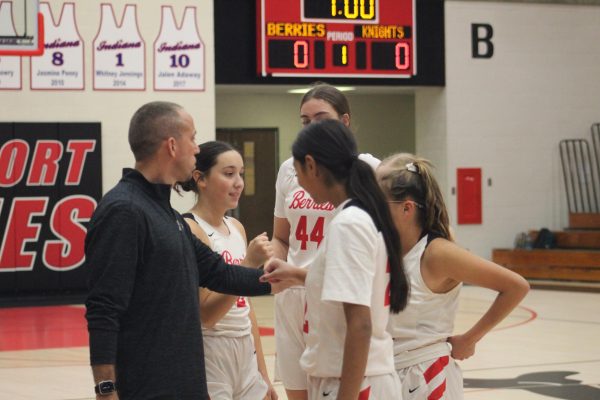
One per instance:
(50, 184)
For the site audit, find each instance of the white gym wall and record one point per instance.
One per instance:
(115, 108)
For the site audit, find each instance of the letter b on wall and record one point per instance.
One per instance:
(481, 40)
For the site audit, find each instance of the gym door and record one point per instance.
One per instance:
(260, 149)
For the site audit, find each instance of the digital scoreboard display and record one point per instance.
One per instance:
(337, 38)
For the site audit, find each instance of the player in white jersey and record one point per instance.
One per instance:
(235, 365)
(299, 227)
(356, 277)
(424, 345)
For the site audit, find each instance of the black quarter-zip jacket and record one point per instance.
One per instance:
(145, 267)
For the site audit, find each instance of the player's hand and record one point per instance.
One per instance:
(271, 394)
(259, 251)
(282, 275)
(462, 348)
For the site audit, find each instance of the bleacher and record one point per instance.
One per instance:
(575, 255)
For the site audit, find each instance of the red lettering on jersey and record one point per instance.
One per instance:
(67, 252)
(79, 150)
(229, 259)
(386, 301)
(299, 202)
(44, 164)
(301, 234)
(305, 325)
(316, 234)
(19, 231)
(241, 302)
(13, 157)
(364, 394)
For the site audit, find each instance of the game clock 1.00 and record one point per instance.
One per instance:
(337, 38)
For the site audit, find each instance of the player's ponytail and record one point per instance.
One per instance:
(409, 177)
(333, 147)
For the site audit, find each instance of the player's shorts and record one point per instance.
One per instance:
(289, 338)
(378, 387)
(428, 372)
(231, 369)
(439, 378)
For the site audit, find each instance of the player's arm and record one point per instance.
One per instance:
(356, 349)
(447, 260)
(281, 226)
(260, 357)
(279, 272)
(348, 279)
(281, 235)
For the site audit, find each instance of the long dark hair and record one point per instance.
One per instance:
(333, 147)
(205, 160)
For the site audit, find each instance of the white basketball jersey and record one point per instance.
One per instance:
(350, 267)
(178, 53)
(308, 220)
(232, 248)
(428, 317)
(10, 66)
(119, 52)
(61, 65)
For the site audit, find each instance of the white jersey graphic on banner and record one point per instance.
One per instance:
(119, 52)
(10, 66)
(61, 65)
(178, 53)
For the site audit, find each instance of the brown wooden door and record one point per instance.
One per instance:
(260, 149)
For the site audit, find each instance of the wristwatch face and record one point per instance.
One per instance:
(106, 387)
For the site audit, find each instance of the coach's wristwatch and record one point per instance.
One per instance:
(104, 388)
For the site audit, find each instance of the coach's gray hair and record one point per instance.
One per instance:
(150, 125)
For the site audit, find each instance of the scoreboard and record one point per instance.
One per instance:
(336, 38)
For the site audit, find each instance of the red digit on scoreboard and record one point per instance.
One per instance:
(402, 56)
(301, 54)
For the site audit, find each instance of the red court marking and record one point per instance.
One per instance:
(31, 328)
(34, 328)
(532, 315)
(266, 331)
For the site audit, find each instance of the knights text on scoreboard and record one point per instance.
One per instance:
(337, 38)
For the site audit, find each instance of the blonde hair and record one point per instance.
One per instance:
(409, 177)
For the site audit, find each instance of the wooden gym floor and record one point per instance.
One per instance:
(548, 348)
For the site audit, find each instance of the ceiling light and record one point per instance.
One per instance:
(306, 89)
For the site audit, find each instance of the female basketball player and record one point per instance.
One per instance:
(436, 268)
(298, 229)
(233, 369)
(356, 276)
